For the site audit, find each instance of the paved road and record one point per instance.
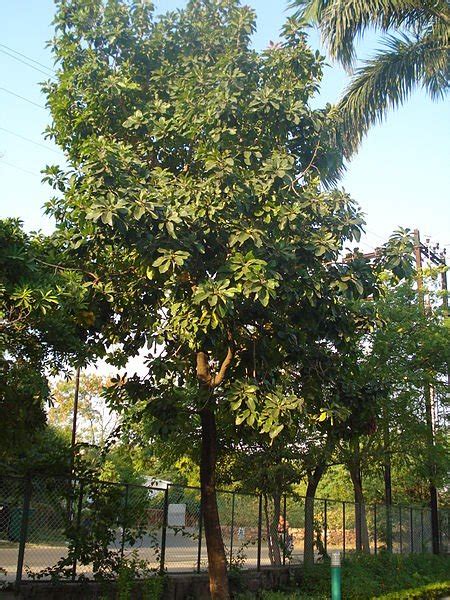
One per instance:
(181, 555)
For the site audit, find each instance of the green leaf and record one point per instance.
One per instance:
(159, 261)
(170, 229)
(274, 432)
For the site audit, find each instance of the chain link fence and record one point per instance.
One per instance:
(69, 529)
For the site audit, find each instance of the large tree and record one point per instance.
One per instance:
(415, 52)
(193, 200)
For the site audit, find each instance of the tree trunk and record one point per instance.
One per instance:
(362, 534)
(217, 565)
(273, 539)
(308, 543)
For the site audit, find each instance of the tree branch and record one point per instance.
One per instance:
(203, 371)
(220, 376)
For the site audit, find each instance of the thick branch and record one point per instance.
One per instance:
(203, 372)
(219, 377)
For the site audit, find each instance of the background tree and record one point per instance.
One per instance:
(413, 352)
(349, 412)
(95, 421)
(40, 332)
(415, 52)
(405, 351)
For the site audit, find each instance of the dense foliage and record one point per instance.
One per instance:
(40, 334)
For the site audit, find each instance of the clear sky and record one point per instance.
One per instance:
(401, 175)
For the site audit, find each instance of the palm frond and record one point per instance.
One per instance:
(343, 21)
(309, 11)
(387, 80)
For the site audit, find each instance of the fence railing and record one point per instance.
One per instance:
(71, 528)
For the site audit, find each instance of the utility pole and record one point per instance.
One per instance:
(72, 446)
(444, 286)
(444, 289)
(387, 472)
(428, 410)
(74, 420)
(439, 260)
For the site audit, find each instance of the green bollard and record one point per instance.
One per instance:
(336, 576)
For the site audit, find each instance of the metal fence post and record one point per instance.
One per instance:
(343, 528)
(77, 531)
(200, 533)
(284, 530)
(124, 524)
(359, 532)
(375, 533)
(24, 527)
(389, 532)
(164, 530)
(421, 530)
(258, 559)
(447, 547)
(401, 528)
(232, 528)
(411, 530)
(325, 525)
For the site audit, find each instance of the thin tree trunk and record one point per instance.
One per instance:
(217, 565)
(273, 541)
(362, 534)
(308, 543)
(269, 537)
(274, 528)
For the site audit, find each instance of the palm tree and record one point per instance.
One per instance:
(415, 52)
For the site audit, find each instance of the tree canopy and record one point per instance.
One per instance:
(193, 202)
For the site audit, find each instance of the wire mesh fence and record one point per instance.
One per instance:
(71, 529)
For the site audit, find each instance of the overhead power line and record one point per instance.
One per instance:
(24, 62)
(366, 245)
(27, 57)
(22, 137)
(13, 166)
(22, 97)
(375, 234)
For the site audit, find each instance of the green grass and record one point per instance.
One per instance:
(365, 577)
(425, 592)
(283, 596)
(386, 576)
(432, 591)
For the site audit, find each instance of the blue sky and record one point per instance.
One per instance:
(400, 176)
